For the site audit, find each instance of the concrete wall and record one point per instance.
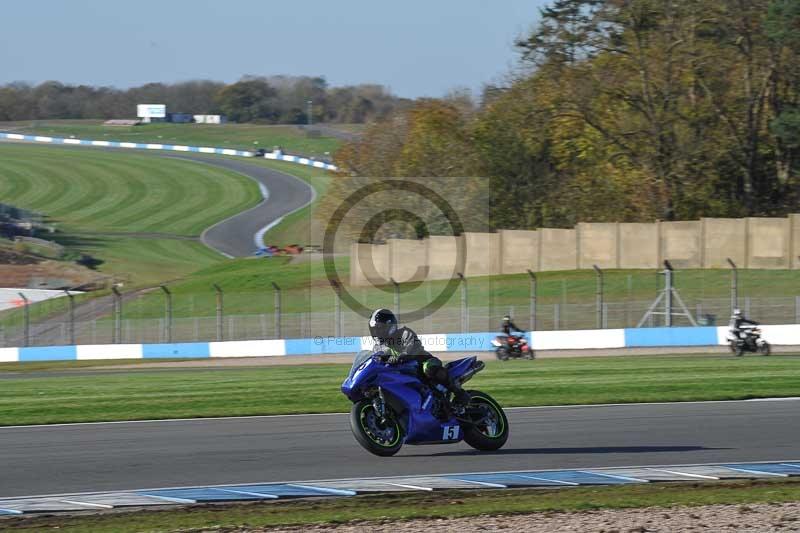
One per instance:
(408, 259)
(558, 249)
(369, 264)
(768, 243)
(724, 238)
(482, 254)
(707, 243)
(519, 251)
(598, 244)
(681, 244)
(444, 258)
(638, 245)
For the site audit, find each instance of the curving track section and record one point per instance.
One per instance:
(121, 456)
(237, 236)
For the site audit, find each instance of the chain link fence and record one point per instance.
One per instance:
(452, 318)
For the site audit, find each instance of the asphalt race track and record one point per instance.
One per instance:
(235, 236)
(94, 457)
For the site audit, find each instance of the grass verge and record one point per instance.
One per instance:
(445, 504)
(192, 392)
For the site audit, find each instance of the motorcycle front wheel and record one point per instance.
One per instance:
(502, 354)
(489, 430)
(383, 438)
(764, 348)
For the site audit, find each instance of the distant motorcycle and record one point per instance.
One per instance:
(749, 341)
(512, 347)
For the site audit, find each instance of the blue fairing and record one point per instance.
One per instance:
(409, 397)
(460, 367)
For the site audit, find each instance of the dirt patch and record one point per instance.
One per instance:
(12, 257)
(26, 274)
(754, 518)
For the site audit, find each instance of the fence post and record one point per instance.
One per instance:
(117, 334)
(337, 309)
(167, 313)
(220, 312)
(277, 309)
(533, 299)
(26, 317)
(734, 285)
(396, 297)
(464, 304)
(797, 309)
(599, 297)
(71, 316)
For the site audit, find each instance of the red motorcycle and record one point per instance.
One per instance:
(512, 347)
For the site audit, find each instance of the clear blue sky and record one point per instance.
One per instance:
(416, 47)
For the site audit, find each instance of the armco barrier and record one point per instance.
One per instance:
(170, 147)
(446, 342)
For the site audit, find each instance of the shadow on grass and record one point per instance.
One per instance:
(580, 450)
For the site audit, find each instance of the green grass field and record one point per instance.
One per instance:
(381, 510)
(247, 284)
(189, 393)
(128, 210)
(238, 136)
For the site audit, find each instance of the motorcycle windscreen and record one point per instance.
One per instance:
(361, 357)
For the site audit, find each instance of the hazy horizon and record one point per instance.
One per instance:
(421, 49)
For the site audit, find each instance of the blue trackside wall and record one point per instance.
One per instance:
(445, 342)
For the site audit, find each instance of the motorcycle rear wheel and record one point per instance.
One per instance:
(382, 439)
(491, 432)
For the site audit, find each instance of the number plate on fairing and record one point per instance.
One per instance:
(450, 432)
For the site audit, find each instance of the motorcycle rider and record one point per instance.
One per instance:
(509, 328)
(737, 321)
(402, 345)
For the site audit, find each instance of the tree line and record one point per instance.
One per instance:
(272, 100)
(620, 110)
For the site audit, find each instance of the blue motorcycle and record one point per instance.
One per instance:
(393, 406)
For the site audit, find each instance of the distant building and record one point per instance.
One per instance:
(210, 119)
(151, 112)
(179, 118)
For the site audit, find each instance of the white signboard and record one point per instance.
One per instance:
(151, 111)
(10, 298)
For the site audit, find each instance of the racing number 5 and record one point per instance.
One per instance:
(450, 433)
